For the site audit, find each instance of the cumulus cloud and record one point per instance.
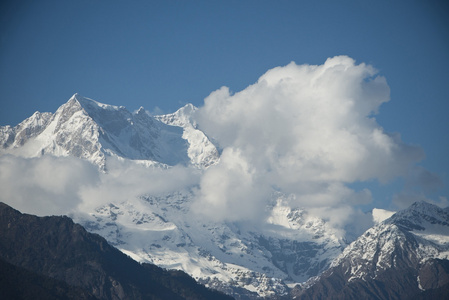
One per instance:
(232, 190)
(306, 130)
(380, 215)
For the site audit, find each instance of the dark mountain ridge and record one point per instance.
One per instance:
(20, 283)
(57, 248)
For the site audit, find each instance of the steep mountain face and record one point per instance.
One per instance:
(93, 131)
(404, 257)
(76, 260)
(30, 128)
(201, 150)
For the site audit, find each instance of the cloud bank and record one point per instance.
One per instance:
(46, 185)
(51, 185)
(306, 130)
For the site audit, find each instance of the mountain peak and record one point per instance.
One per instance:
(92, 130)
(189, 107)
(182, 117)
(419, 216)
(424, 206)
(90, 104)
(141, 111)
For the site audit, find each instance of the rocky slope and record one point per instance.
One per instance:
(20, 283)
(404, 257)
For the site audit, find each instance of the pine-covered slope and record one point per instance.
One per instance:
(404, 257)
(57, 248)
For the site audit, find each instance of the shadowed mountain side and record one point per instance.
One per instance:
(19, 283)
(58, 248)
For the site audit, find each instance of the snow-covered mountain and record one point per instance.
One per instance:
(93, 131)
(239, 258)
(244, 259)
(201, 151)
(404, 257)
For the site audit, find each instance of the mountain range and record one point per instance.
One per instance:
(290, 254)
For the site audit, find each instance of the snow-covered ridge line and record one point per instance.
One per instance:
(91, 130)
(89, 103)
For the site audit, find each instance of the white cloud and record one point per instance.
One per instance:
(380, 215)
(127, 180)
(231, 190)
(46, 185)
(64, 185)
(306, 130)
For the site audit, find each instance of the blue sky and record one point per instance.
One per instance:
(163, 54)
